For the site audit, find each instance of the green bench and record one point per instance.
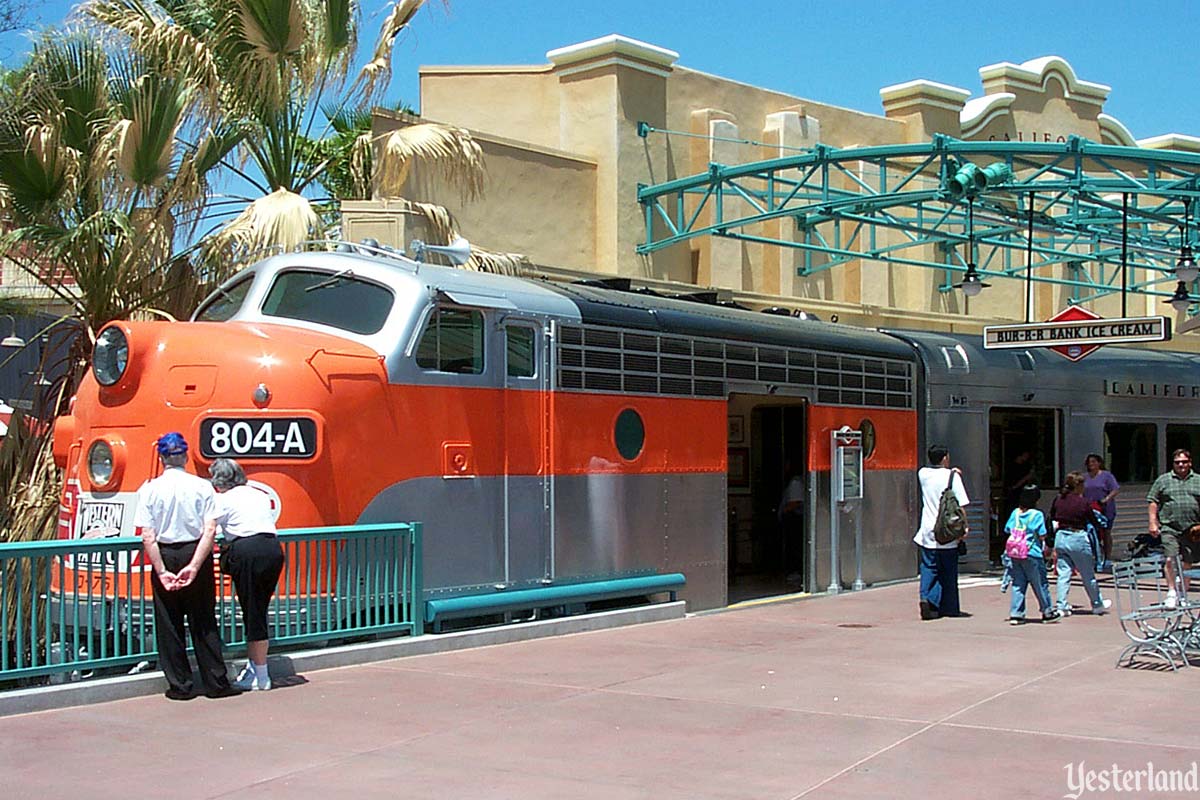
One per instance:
(502, 601)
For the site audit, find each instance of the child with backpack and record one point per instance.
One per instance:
(1026, 530)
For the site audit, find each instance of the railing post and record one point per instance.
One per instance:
(416, 600)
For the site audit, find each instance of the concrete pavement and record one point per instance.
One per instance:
(827, 697)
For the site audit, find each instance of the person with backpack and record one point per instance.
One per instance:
(943, 526)
(1026, 529)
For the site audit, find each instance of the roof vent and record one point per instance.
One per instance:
(956, 358)
(619, 284)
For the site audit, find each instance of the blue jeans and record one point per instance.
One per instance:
(1029, 572)
(1074, 551)
(939, 578)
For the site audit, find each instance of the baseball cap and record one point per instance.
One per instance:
(172, 444)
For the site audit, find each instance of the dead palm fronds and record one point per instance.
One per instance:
(260, 70)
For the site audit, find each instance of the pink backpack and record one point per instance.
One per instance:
(1017, 544)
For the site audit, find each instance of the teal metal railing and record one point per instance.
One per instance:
(81, 605)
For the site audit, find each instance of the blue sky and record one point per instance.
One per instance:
(840, 53)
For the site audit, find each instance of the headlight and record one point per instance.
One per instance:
(100, 463)
(111, 355)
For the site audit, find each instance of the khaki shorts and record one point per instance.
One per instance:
(1180, 544)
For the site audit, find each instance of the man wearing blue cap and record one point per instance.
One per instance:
(177, 513)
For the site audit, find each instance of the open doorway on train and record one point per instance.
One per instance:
(767, 498)
(1023, 447)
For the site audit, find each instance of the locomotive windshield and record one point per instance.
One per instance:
(226, 302)
(338, 299)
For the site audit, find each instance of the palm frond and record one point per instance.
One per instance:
(377, 71)
(168, 42)
(282, 218)
(274, 29)
(498, 263)
(452, 150)
(339, 35)
(146, 139)
(37, 172)
(439, 223)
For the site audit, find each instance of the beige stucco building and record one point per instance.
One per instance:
(565, 159)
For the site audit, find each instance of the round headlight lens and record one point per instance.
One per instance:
(111, 356)
(100, 463)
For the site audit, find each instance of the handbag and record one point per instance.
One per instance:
(951, 522)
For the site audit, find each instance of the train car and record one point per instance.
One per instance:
(543, 433)
(1007, 414)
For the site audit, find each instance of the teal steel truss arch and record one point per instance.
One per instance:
(1101, 219)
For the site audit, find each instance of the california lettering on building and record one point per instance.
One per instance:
(1034, 136)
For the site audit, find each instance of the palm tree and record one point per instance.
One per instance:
(96, 195)
(262, 69)
(95, 188)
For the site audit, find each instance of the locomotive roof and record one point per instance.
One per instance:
(604, 306)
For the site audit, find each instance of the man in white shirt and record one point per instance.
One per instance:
(177, 515)
(938, 563)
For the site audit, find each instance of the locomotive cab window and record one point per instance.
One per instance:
(226, 302)
(520, 351)
(452, 342)
(337, 299)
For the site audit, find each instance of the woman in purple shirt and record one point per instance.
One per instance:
(1071, 513)
(1101, 487)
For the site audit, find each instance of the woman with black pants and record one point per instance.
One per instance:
(252, 557)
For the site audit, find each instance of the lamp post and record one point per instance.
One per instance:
(1181, 300)
(1186, 270)
(13, 340)
(971, 284)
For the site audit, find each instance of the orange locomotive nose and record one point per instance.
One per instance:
(255, 392)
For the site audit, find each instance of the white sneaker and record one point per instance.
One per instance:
(249, 681)
(1172, 599)
(245, 679)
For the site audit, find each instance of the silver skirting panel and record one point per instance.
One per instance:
(604, 526)
(889, 513)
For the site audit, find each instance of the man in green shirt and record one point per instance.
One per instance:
(1174, 508)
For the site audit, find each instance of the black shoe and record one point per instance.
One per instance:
(928, 611)
(228, 691)
(957, 614)
(178, 694)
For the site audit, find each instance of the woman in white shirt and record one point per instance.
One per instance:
(252, 557)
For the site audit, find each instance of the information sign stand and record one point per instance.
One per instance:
(845, 487)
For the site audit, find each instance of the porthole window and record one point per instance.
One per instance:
(868, 437)
(629, 434)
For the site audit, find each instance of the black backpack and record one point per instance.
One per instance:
(951, 522)
(1144, 545)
